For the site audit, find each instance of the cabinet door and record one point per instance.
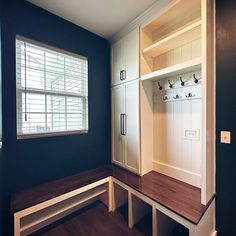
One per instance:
(131, 45)
(117, 138)
(132, 141)
(118, 61)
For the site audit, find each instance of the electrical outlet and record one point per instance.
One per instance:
(192, 134)
(225, 137)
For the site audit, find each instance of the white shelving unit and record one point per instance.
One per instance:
(176, 48)
(186, 34)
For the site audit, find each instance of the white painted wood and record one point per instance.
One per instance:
(42, 214)
(164, 224)
(132, 144)
(118, 140)
(187, 66)
(125, 56)
(176, 10)
(146, 126)
(146, 16)
(208, 94)
(120, 196)
(118, 61)
(49, 216)
(184, 36)
(154, 221)
(110, 196)
(16, 225)
(156, 205)
(131, 50)
(175, 155)
(206, 226)
(138, 209)
(178, 173)
(126, 147)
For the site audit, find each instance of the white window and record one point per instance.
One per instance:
(52, 90)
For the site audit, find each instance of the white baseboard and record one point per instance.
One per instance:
(177, 173)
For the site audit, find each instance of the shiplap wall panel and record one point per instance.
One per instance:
(171, 118)
(178, 55)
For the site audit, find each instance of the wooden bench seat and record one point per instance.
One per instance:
(177, 198)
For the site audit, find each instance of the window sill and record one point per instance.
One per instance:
(51, 134)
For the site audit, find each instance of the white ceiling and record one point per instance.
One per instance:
(103, 17)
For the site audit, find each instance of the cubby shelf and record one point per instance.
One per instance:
(178, 9)
(178, 38)
(191, 65)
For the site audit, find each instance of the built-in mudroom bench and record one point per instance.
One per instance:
(169, 202)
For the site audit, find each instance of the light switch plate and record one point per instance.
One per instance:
(192, 134)
(225, 137)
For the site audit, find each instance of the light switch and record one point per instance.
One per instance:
(225, 137)
(192, 134)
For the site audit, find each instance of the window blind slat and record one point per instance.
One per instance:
(52, 90)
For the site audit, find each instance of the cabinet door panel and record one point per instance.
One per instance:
(117, 138)
(131, 45)
(118, 61)
(132, 147)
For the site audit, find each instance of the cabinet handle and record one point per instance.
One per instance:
(122, 124)
(122, 75)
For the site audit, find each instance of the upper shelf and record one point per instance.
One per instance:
(183, 36)
(184, 67)
(177, 10)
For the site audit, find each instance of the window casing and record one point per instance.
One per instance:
(52, 90)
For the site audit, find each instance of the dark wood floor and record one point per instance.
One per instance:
(91, 221)
(95, 220)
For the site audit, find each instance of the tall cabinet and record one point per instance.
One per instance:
(163, 115)
(125, 102)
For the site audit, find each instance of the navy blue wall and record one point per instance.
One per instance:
(35, 161)
(226, 116)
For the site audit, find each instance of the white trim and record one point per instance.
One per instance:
(155, 9)
(178, 173)
(49, 47)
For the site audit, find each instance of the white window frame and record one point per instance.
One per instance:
(20, 90)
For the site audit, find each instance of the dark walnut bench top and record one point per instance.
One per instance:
(41, 193)
(179, 197)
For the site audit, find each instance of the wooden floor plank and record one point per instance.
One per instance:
(90, 221)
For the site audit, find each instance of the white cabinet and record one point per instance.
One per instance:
(125, 125)
(125, 58)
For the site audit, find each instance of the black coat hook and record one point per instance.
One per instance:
(159, 85)
(170, 84)
(189, 95)
(182, 82)
(165, 98)
(195, 79)
(176, 97)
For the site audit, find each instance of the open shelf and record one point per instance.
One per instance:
(52, 213)
(178, 9)
(191, 65)
(183, 36)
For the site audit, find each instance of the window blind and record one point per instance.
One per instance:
(52, 90)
